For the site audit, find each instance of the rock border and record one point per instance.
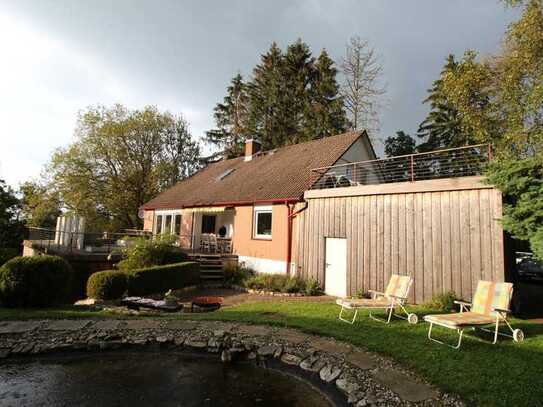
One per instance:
(358, 375)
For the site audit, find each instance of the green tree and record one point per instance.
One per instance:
(442, 126)
(521, 181)
(400, 144)
(231, 118)
(121, 159)
(11, 227)
(40, 204)
(327, 115)
(292, 97)
(266, 110)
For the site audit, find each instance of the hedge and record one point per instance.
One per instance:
(37, 281)
(7, 254)
(158, 279)
(150, 280)
(107, 285)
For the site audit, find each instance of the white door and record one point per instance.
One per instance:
(335, 272)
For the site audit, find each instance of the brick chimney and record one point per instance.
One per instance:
(252, 146)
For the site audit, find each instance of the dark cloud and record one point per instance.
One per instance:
(180, 55)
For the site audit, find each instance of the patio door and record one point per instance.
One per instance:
(335, 272)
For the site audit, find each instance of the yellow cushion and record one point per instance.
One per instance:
(489, 295)
(364, 303)
(460, 319)
(398, 286)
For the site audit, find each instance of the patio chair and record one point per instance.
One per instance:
(204, 242)
(394, 297)
(213, 244)
(490, 306)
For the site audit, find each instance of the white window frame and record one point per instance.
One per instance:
(256, 211)
(164, 213)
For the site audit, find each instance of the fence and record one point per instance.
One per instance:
(449, 163)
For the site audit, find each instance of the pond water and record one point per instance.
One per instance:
(149, 379)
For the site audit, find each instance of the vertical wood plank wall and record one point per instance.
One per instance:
(447, 240)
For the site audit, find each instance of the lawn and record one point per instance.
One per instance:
(481, 373)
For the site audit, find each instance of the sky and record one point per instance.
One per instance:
(58, 57)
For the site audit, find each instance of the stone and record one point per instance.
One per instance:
(291, 336)
(196, 343)
(278, 352)
(329, 373)
(404, 386)
(347, 385)
(267, 351)
(255, 330)
(330, 346)
(137, 324)
(290, 359)
(312, 364)
(66, 325)
(17, 327)
(179, 341)
(214, 342)
(354, 397)
(219, 333)
(251, 356)
(107, 325)
(361, 360)
(181, 325)
(226, 356)
(163, 339)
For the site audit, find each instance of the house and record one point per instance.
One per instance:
(251, 201)
(328, 209)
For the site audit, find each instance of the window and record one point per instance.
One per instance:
(177, 225)
(168, 222)
(208, 223)
(262, 222)
(158, 227)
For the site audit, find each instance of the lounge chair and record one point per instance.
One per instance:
(490, 307)
(394, 296)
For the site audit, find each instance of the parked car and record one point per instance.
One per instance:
(529, 268)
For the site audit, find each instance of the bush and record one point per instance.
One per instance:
(275, 282)
(37, 281)
(158, 279)
(236, 274)
(107, 285)
(442, 302)
(144, 253)
(7, 254)
(312, 287)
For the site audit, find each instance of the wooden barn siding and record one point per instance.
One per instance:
(447, 240)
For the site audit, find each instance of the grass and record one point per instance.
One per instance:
(481, 373)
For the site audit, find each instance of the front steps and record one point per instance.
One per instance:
(211, 267)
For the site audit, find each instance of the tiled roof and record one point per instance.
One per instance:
(281, 174)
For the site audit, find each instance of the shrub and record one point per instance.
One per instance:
(442, 302)
(236, 274)
(158, 279)
(146, 253)
(7, 254)
(312, 287)
(37, 281)
(107, 285)
(275, 282)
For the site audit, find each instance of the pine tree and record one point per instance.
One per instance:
(326, 112)
(231, 117)
(442, 127)
(265, 94)
(298, 76)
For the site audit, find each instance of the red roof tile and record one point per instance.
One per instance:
(280, 174)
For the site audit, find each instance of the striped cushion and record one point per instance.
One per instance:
(364, 303)
(491, 295)
(460, 319)
(398, 286)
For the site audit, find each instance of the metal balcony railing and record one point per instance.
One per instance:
(449, 163)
